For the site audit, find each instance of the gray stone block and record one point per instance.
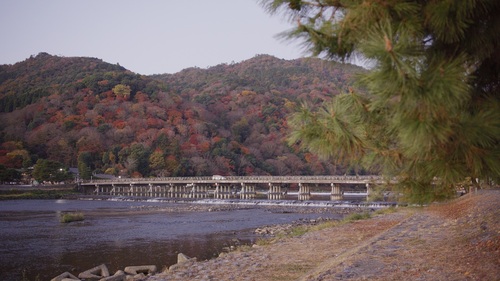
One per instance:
(146, 269)
(64, 277)
(95, 273)
(181, 258)
(118, 276)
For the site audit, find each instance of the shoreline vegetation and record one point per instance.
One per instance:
(39, 192)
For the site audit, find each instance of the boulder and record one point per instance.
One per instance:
(96, 273)
(146, 269)
(118, 276)
(64, 277)
(181, 258)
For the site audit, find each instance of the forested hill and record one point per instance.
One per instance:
(227, 119)
(26, 82)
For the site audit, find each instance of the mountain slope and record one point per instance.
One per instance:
(227, 119)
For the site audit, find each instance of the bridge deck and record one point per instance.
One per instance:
(242, 179)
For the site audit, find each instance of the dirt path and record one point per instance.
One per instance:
(453, 241)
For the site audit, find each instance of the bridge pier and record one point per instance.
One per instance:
(162, 191)
(155, 191)
(149, 192)
(134, 190)
(176, 191)
(131, 191)
(368, 191)
(336, 193)
(274, 192)
(304, 192)
(199, 191)
(247, 191)
(102, 190)
(117, 190)
(222, 191)
(186, 190)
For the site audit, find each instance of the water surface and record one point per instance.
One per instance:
(117, 234)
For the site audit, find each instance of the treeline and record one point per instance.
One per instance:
(227, 119)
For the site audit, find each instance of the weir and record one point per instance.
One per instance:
(232, 187)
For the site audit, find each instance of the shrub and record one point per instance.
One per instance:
(357, 216)
(71, 217)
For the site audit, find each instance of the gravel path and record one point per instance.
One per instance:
(455, 241)
(284, 259)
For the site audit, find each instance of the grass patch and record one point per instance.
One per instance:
(325, 225)
(71, 217)
(384, 211)
(265, 241)
(243, 248)
(296, 268)
(298, 231)
(34, 194)
(357, 217)
(293, 232)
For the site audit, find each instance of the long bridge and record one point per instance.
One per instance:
(226, 187)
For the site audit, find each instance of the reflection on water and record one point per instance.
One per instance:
(33, 239)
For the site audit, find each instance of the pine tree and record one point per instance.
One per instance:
(428, 110)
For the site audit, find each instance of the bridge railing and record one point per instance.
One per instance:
(214, 179)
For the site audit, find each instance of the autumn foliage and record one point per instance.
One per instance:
(226, 119)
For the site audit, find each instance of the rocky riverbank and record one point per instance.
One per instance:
(459, 240)
(303, 216)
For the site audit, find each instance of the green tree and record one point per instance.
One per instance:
(139, 156)
(85, 160)
(9, 175)
(241, 130)
(49, 170)
(157, 161)
(122, 90)
(429, 112)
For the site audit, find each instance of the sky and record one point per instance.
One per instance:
(144, 36)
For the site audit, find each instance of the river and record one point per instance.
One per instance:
(121, 233)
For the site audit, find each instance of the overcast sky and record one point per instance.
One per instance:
(144, 36)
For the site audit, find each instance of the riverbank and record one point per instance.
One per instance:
(18, 192)
(459, 240)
